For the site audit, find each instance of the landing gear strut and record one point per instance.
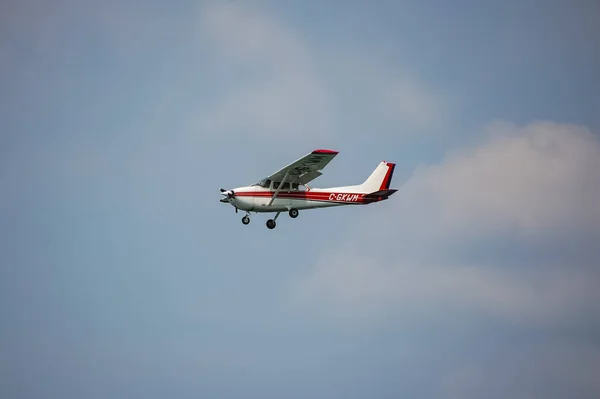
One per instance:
(293, 213)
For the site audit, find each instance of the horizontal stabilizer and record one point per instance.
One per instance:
(383, 194)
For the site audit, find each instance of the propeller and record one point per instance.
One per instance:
(229, 193)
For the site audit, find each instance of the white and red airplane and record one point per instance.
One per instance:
(287, 191)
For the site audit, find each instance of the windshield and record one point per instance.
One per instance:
(263, 183)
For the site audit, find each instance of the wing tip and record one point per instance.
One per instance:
(324, 151)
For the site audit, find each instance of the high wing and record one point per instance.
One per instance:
(306, 168)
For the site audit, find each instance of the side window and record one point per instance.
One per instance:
(284, 186)
(295, 186)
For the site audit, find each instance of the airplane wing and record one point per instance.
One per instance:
(306, 168)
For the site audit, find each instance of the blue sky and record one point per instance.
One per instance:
(121, 275)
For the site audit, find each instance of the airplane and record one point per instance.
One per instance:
(287, 189)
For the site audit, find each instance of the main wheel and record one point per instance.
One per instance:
(246, 219)
(293, 213)
(271, 224)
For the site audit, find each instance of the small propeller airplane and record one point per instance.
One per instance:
(287, 189)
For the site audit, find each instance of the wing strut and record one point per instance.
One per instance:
(279, 187)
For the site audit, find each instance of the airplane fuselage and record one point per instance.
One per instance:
(287, 191)
(258, 199)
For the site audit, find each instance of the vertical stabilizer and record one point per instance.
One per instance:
(380, 179)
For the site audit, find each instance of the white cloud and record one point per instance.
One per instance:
(542, 176)
(539, 182)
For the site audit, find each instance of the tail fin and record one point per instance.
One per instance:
(380, 179)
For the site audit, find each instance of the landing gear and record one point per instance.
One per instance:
(246, 219)
(293, 213)
(271, 222)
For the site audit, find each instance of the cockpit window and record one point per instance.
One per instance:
(284, 186)
(266, 183)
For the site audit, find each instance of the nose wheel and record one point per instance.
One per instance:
(246, 219)
(293, 213)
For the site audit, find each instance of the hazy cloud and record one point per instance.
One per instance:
(548, 371)
(282, 86)
(121, 275)
(532, 191)
(389, 94)
(276, 90)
